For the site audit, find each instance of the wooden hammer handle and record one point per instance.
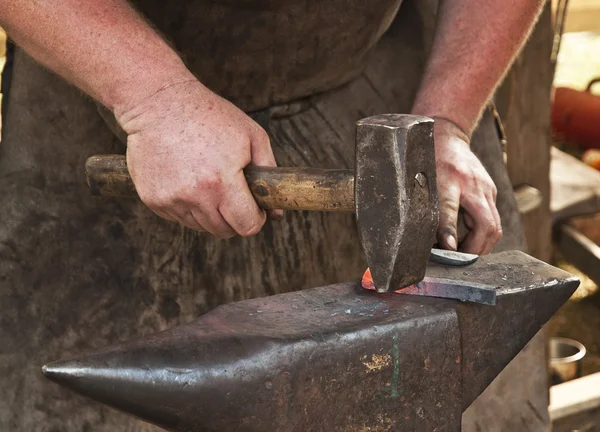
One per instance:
(273, 188)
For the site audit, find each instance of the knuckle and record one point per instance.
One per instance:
(224, 234)
(202, 189)
(474, 178)
(491, 228)
(485, 180)
(494, 231)
(499, 233)
(460, 171)
(209, 182)
(147, 199)
(262, 136)
(448, 173)
(251, 230)
(184, 196)
(494, 190)
(156, 200)
(466, 170)
(446, 230)
(447, 220)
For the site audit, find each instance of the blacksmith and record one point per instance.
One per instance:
(198, 90)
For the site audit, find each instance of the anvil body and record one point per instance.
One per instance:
(330, 358)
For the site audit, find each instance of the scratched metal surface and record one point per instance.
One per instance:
(331, 358)
(529, 292)
(396, 197)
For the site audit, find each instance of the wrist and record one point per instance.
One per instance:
(159, 101)
(146, 82)
(457, 111)
(447, 122)
(445, 126)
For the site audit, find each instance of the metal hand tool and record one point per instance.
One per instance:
(451, 258)
(392, 190)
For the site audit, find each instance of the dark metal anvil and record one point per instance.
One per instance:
(330, 358)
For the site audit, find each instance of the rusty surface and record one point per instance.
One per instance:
(396, 197)
(331, 358)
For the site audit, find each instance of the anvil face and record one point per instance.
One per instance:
(330, 358)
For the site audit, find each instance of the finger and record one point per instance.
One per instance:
(469, 221)
(164, 214)
(498, 228)
(212, 222)
(262, 155)
(261, 152)
(464, 225)
(495, 228)
(449, 205)
(189, 221)
(481, 238)
(157, 207)
(240, 210)
(185, 218)
(492, 203)
(494, 194)
(275, 214)
(171, 217)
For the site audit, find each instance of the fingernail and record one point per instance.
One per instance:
(451, 242)
(276, 215)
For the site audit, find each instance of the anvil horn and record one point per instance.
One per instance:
(330, 358)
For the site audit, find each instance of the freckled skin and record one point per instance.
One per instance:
(188, 146)
(475, 42)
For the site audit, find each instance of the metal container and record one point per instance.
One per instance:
(576, 116)
(565, 359)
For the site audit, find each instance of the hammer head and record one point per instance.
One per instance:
(396, 197)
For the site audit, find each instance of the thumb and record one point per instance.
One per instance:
(262, 155)
(261, 151)
(449, 204)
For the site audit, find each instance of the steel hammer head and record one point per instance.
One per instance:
(396, 197)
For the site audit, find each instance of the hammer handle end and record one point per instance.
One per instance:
(107, 175)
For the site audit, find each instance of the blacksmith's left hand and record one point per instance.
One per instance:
(463, 182)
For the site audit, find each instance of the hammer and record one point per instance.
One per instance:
(392, 191)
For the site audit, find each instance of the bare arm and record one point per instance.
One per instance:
(475, 43)
(187, 147)
(103, 47)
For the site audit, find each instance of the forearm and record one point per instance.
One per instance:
(103, 47)
(475, 43)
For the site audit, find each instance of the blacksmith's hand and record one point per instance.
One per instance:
(187, 148)
(463, 182)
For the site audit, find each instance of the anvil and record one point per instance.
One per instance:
(334, 358)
